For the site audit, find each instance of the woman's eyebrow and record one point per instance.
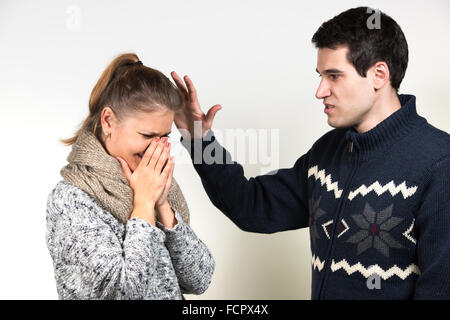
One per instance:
(152, 133)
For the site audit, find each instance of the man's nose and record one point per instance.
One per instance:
(323, 90)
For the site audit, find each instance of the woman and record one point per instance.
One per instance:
(117, 224)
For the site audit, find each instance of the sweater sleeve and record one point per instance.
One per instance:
(433, 235)
(264, 204)
(91, 262)
(191, 258)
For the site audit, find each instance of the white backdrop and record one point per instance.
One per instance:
(253, 57)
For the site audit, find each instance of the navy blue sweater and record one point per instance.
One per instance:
(377, 205)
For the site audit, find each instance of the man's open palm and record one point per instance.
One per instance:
(191, 111)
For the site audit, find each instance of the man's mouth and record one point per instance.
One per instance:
(329, 109)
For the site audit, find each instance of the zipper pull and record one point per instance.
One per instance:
(350, 148)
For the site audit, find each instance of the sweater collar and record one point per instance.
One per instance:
(391, 129)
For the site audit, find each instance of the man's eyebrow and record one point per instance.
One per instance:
(330, 71)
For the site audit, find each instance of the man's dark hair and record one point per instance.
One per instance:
(368, 42)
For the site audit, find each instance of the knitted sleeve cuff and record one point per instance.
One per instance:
(137, 225)
(177, 231)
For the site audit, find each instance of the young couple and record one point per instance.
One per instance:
(374, 191)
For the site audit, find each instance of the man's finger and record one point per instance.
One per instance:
(212, 113)
(180, 84)
(191, 88)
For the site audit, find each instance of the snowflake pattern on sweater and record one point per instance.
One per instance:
(377, 204)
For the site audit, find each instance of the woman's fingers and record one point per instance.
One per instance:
(171, 162)
(168, 170)
(168, 179)
(165, 154)
(125, 168)
(148, 153)
(157, 154)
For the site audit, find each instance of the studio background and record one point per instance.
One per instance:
(255, 58)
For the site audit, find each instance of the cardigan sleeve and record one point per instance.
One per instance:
(191, 258)
(90, 261)
(264, 204)
(433, 239)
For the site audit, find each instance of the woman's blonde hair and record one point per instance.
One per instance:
(127, 86)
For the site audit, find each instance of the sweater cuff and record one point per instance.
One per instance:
(206, 150)
(177, 231)
(137, 225)
(195, 147)
(175, 227)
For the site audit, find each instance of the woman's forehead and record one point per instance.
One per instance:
(151, 121)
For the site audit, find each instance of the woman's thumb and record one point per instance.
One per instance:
(125, 168)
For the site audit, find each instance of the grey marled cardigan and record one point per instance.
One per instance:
(97, 257)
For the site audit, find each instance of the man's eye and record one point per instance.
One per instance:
(334, 76)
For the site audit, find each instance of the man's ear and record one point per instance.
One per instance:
(380, 75)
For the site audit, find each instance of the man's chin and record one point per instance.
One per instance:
(339, 125)
(333, 124)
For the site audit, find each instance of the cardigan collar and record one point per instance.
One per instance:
(391, 129)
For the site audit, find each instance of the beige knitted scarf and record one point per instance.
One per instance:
(99, 174)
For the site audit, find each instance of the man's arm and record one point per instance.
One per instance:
(265, 204)
(433, 242)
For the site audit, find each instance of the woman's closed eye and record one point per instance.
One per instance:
(154, 135)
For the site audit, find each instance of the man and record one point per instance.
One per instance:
(374, 191)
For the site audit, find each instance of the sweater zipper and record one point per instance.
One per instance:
(338, 219)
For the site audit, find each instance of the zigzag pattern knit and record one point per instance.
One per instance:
(377, 204)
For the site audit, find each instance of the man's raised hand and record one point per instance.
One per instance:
(191, 112)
